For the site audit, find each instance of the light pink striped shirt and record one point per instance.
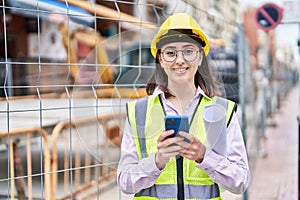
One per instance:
(230, 173)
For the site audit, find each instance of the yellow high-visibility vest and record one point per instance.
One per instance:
(146, 118)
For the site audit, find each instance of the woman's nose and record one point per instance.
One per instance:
(179, 57)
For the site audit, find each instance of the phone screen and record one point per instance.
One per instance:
(177, 123)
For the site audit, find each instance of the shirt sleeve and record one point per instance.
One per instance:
(134, 174)
(230, 172)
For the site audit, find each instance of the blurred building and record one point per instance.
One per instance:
(29, 36)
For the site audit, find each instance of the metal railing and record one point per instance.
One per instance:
(16, 174)
(82, 167)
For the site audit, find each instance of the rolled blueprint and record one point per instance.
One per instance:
(215, 126)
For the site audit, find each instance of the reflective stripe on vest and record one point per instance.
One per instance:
(166, 191)
(141, 107)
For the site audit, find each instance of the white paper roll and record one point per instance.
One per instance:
(215, 126)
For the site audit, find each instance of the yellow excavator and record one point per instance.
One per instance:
(92, 38)
(89, 38)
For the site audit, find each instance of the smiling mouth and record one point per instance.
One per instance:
(180, 69)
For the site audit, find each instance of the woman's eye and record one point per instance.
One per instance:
(188, 51)
(170, 53)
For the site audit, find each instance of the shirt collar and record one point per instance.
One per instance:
(199, 92)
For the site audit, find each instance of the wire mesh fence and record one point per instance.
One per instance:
(67, 68)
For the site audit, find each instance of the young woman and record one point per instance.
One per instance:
(154, 165)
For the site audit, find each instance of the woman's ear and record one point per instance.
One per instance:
(201, 55)
(159, 59)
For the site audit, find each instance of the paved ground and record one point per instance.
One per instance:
(275, 176)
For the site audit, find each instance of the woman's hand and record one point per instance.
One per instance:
(193, 149)
(167, 148)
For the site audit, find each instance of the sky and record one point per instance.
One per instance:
(287, 35)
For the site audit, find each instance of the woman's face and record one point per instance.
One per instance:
(180, 61)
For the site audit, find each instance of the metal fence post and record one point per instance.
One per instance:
(298, 117)
(241, 67)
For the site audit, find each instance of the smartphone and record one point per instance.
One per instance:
(177, 123)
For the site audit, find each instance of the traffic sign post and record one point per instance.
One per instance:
(268, 16)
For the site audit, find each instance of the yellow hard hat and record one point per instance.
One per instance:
(179, 21)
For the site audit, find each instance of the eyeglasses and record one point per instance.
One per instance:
(170, 55)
